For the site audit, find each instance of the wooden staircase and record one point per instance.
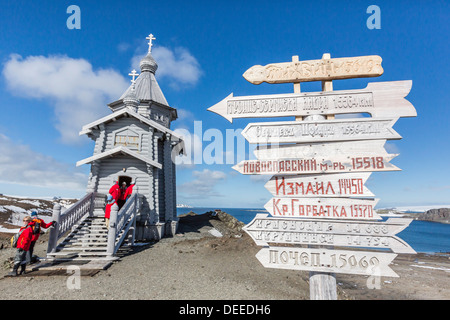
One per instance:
(87, 241)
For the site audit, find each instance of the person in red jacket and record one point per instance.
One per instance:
(23, 245)
(38, 224)
(121, 200)
(115, 191)
(129, 191)
(109, 203)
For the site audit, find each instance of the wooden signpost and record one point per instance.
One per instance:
(320, 166)
(320, 131)
(329, 261)
(316, 70)
(379, 99)
(315, 165)
(334, 232)
(342, 208)
(330, 185)
(338, 150)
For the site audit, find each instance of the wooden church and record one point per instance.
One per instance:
(134, 144)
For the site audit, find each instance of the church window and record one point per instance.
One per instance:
(127, 138)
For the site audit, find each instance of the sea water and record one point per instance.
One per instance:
(422, 236)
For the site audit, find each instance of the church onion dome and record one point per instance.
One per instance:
(148, 64)
(130, 99)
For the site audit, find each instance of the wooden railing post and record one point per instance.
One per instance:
(54, 230)
(136, 208)
(112, 230)
(92, 206)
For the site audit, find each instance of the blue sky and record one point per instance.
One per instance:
(53, 80)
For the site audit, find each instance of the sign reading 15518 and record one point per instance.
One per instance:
(313, 165)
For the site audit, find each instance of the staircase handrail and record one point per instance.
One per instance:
(69, 218)
(121, 222)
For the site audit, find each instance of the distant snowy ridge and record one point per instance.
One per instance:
(416, 208)
(14, 208)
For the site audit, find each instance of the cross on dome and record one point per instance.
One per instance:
(150, 38)
(148, 63)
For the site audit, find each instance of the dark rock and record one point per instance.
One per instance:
(436, 215)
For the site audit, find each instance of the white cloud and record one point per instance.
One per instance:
(21, 165)
(260, 178)
(178, 66)
(207, 174)
(391, 147)
(203, 184)
(78, 93)
(185, 115)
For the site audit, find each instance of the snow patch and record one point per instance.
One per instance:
(6, 230)
(215, 233)
(434, 268)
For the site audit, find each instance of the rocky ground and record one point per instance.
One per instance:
(197, 265)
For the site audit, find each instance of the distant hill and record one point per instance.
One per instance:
(441, 215)
(13, 209)
(436, 213)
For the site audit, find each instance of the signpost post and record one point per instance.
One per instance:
(320, 166)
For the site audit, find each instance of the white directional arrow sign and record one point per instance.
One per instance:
(320, 131)
(307, 166)
(323, 260)
(322, 151)
(380, 99)
(330, 185)
(319, 208)
(367, 234)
